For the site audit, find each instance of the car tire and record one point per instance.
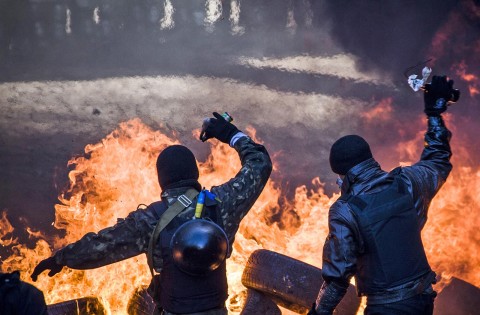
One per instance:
(82, 306)
(258, 303)
(291, 283)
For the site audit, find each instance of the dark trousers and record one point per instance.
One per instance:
(421, 304)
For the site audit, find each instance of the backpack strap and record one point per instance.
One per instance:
(183, 201)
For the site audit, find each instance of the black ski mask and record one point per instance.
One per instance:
(347, 152)
(177, 167)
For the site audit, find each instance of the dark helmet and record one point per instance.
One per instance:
(199, 246)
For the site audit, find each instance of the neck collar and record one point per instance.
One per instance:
(359, 173)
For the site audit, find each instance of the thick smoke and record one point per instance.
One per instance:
(391, 36)
(388, 36)
(84, 75)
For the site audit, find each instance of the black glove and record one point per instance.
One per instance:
(329, 296)
(437, 94)
(46, 264)
(219, 128)
(312, 310)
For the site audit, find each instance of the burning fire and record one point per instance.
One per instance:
(118, 173)
(470, 78)
(382, 111)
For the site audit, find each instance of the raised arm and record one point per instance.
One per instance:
(240, 193)
(429, 174)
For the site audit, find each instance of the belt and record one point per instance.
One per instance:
(216, 311)
(406, 291)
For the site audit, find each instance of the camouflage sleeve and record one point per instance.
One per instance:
(240, 193)
(128, 238)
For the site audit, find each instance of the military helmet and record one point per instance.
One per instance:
(199, 246)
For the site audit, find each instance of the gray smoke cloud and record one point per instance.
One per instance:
(274, 65)
(389, 36)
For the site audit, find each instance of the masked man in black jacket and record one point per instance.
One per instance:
(375, 226)
(181, 286)
(20, 298)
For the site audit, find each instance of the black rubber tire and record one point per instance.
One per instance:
(141, 303)
(458, 297)
(258, 303)
(291, 283)
(82, 306)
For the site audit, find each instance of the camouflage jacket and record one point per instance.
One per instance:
(130, 236)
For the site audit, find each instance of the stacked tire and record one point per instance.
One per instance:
(271, 279)
(83, 306)
(290, 283)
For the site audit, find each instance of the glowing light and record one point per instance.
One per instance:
(119, 173)
(167, 21)
(472, 80)
(382, 111)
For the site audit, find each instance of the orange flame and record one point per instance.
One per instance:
(382, 111)
(470, 78)
(119, 173)
(5, 229)
(458, 37)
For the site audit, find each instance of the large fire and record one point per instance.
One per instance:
(118, 173)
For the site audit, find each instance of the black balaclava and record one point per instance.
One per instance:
(347, 152)
(177, 167)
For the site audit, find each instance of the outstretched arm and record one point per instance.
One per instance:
(125, 239)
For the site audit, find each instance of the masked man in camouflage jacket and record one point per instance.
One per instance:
(177, 291)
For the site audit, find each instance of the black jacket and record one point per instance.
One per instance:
(20, 298)
(344, 244)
